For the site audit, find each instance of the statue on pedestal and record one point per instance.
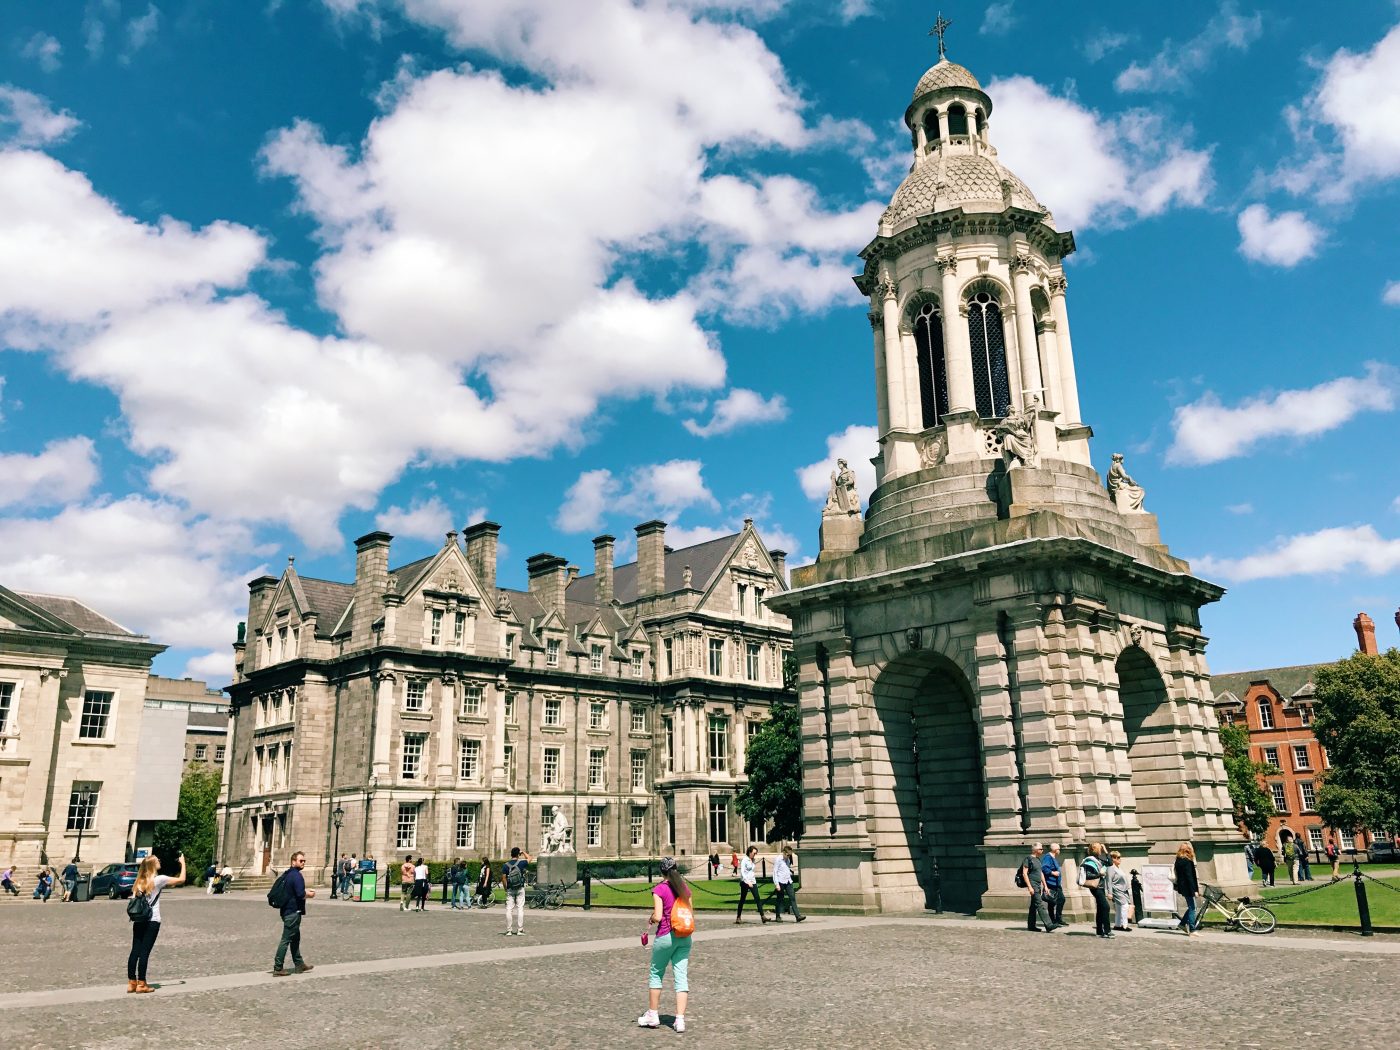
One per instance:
(1017, 433)
(843, 498)
(1127, 494)
(559, 837)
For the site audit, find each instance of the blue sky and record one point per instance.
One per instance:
(275, 274)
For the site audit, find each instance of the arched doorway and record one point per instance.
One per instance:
(1154, 754)
(932, 807)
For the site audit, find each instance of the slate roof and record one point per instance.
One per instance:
(945, 75)
(704, 559)
(206, 720)
(406, 576)
(1284, 680)
(83, 617)
(327, 599)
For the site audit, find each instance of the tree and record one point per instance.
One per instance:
(774, 769)
(194, 829)
(1253, 804)
(1357, 719)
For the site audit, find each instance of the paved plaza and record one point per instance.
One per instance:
(445, 979)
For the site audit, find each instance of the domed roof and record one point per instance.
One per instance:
(963, 180)
(945, 75)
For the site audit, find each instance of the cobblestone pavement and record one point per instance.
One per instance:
(578, 980)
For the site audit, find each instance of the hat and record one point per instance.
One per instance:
(668, 865)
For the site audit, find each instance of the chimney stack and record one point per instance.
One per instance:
(371, 581)
(482, 539)
(780, 563)
(603, 569)
(1365, 634)
(548, 578)
(572, 576)
(651, 558)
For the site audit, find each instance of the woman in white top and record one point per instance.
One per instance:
(1121, 893)
(144, 932)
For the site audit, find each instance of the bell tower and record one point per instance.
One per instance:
(1001, 649)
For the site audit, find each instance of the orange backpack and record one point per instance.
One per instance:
(682, 918)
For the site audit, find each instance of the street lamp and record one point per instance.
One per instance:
(84, 798)
(338, 816)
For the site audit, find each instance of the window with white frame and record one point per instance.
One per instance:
(553, 712)
(1348, 840)
(669, 728)
(1305, 714)
(595, 658)
(719, 818)
(637, 825)
(510, 647)
(1315, 838)
(459, 629)
(435, 627)
(97, 714)
(751, 662)
(595, 826)
(406, 829)
(753, 726)
(220, 751)
(669, 651)
(639, 770)
(201, 751)
(639, 718)
(1308, 793)
(7, 699)
(1266, 713)
(82, 807)
(719, 744)
(471, 698)
(468, 759)
(758, 603)
(546, 821)
(1300, 757)
(551, 766)
(743, 590)
(1280, 797)
(717, 656)
(597, 767)
(597, 715)
(551, 652)
(296, 640)
(281, 643)
(1271, 756)
(415, 694)
(638, 663)
(510, 709)
(466, 825)
(413, 744)
(508, 757)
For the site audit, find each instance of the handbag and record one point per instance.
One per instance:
(139, 908)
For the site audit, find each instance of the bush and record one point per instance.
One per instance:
(618, 869)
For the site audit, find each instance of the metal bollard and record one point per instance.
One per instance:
(587, 890)
(765, 867)
(1363, 907)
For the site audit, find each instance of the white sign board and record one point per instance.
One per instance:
(1158, 893)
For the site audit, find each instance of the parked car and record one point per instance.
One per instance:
(115, 880)
(1384, 851)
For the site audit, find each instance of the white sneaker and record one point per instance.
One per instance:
(680, 1024)
(649, 1020)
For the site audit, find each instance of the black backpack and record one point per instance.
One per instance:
(515, 875)
(277, 896)
(1021, 874)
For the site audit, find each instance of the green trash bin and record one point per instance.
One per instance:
(369, 882)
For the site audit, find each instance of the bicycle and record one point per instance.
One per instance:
(550, 895)
(1246, 916)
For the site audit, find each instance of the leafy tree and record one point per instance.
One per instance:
(774, 768)
(1357, 718)
(1253, 804)
(194, 829)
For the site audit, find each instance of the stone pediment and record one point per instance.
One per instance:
(19, 614)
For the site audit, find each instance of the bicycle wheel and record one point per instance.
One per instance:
(555, 898)
(1255, 918)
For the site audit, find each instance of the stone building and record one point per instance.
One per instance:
(74, 737)
(447, 716)
(1001, 649)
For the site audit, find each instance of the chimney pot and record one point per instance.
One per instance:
(780, 563)
(1365, 634)
(548, 578)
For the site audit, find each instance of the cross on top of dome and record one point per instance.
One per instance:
(939, 28)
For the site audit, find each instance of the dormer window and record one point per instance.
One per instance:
(551, 653)
(743, 598)
(459, 628)
(638, 661)
(595, 658)
(435, 628)
(1266, 713)
(510, 647)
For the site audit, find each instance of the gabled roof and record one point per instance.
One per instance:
(328, 600)
(1286, 681)
(705, 559)
(82, 617)
(406, 577)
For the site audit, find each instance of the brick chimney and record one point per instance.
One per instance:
(603, 569)
(548, 578)
(1365, 634)
(780, 563)
(482, 539)
(371, 581)
(651, 558)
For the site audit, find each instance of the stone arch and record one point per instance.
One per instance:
(1154, 753)
(928, 802)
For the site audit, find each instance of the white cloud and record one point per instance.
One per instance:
(95, 17)
(656, 490)
(429, 519)
(1285, 239)
(140, 31)
(214, 668)
(1103, 43)
(739, 408)
(27, 119)
(1241, 508)
(999, 18)
(1391, 294)
(65, 470)
(1091, 169)
(1174, 67)
(1351, 549)
(856, 445)
(44, 50)
(1208, 431)
(850, 10)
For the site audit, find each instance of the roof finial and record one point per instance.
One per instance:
(939, 28)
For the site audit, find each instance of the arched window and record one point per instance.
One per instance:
(933, 373)
(931, 126)
(978, 121)
(957, 119)
(991, 384)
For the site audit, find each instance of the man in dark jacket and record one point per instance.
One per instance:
(293, 908)
(1264, 857)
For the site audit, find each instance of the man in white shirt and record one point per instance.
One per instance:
(748, 878)
(782, 885)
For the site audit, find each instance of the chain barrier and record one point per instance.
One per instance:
(1379, 882)
(646, 888)
(1279, 898)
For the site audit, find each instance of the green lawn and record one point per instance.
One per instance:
(1332, 906)
(711, 895)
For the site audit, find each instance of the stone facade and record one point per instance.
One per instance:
(1005, 653)
(72, 689)
(446, 716)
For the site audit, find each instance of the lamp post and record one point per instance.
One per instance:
(338, 817)
(84, 798)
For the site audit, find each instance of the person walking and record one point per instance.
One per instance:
(514, 874)
(483, 882)
(1249, 858)
(70, 879)
(1304, 864)
(1187, 885)
(421, 884)
(734, 862)
(669, 949)
(748, 886)
(1054, 884)
(784, 887)
(1335, 856)
(1032, 878)
(1120, 891)
(1290, 858)
(1095, 867)
(149, 885)
(293, 910)
(1264, 858)
(406, 873)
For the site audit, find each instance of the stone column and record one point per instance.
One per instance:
(1069, 388)
(896, 399)
(383, 723)
(943, 124)
(1050, 363)
(920, 139)
(498, 734)
(446, 722)
(882, 394)
(957, 351)
(741, 740)
(1031, 383)
(43, 726)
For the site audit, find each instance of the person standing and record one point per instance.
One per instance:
(1335, 856)
(514, 874)
(1304, 864)
(461, 893)
(1121, 893)
(734, 862)
(669, 948)
(406, 872)
(1187, 885)
(1054, 884)
(1095, 868)
(483, 882)
(211, 873)
(70, 879)
(748, 886)
(1032, 877)
(149, 884)
(784, 887)
(421, 884)
(294, 898)
(1290, 858)
(1264, 857)
(1249, 858)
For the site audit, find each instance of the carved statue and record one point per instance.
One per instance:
(930, 452)
(843, 498)
(560, 836)
(686, 577)
(1017, 433)
(1127, 494)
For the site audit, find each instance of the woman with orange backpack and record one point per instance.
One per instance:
(674, 920)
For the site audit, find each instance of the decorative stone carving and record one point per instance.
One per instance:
(885, 288)
(1017, 432)
(560, 836)
(1058, 284)
(1022, 263)
(1127, 494)
(947, 263)
(503, 606)
(915, 637)
(876, 318)
(931, 451)
(1135, 633)
(991, 443)
(843, 498)
(685, 577)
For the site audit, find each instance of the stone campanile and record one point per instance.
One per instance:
(1001, 649)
